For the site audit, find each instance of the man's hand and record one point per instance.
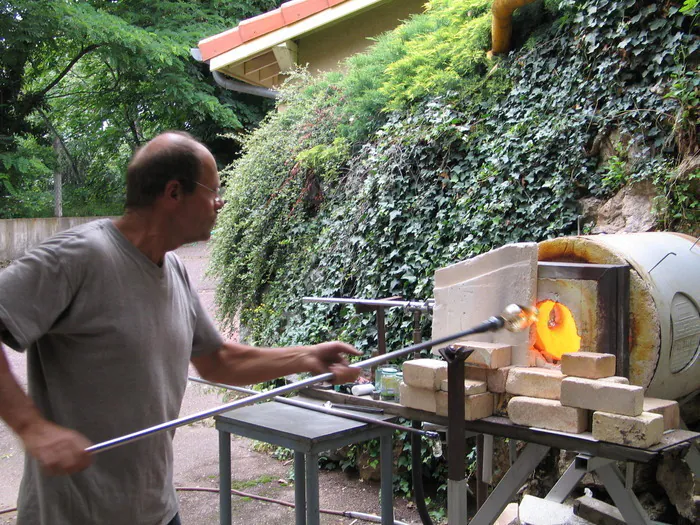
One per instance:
(328, 357)
(57, 449)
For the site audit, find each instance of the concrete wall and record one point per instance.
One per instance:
(18, 235)
(326, 49)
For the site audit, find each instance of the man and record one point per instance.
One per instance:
(111, 321)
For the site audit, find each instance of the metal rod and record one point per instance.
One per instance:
(422, 306)
(417, 476)
(661, 260)
(417, 332)
(325, 410)
(455, 412)
(263, 396)
(482, 488)
(511, 321)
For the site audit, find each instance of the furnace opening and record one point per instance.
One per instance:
(556, 332)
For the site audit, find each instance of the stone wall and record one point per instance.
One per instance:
(19, 235)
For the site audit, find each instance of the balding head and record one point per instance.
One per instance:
(174, 155)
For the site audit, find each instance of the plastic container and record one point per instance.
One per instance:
(362, 390)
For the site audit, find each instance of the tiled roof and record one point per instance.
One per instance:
(250, 29)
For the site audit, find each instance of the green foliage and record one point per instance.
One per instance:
(440, 52)
(273, 190)
(30, 195)
(370, 181)
(679, 205)
(443, 51)
(690, 7)
(104, 77)
(444, 178)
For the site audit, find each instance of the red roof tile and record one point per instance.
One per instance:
(297, 9)
(252, 28)
(217, 44)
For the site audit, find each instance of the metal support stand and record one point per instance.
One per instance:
(313, 504)
(629, 475)
(512, 451)
(561, 490)
(487, 467)
(299, 488)
(456, 448)
(529, 458)
(386, 461)
(308, 434)
(482, 489)
(625, 500)
(224, 478)
(692, 458)
(379, 306)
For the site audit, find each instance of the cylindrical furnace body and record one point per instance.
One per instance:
(664, 338)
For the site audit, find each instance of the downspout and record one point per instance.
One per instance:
(502, 24)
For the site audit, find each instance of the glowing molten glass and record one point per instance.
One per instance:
(556, 330)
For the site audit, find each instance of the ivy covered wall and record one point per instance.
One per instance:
(427, 152)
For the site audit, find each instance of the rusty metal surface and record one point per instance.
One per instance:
(644, 326)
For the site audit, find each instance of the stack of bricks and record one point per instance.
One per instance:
(621, 414)
(534, 401)
(485, 372)
(561, 400)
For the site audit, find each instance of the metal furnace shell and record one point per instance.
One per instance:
(664, 339)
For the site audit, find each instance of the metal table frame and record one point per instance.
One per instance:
(593, 456)
(308, 433)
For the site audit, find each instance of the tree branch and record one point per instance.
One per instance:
(76, 93)
(33, 100)
(67, 69)
(74, 167)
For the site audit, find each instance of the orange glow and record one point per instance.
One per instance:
(556, 330)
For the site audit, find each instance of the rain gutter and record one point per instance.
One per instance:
(242, 87)
(235, 85)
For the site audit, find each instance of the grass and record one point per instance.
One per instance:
(262, 480)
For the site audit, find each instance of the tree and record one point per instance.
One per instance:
(97, 79)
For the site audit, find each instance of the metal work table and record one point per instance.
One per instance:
(308, 433)
(593, 456)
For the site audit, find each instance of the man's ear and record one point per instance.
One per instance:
(173, 190)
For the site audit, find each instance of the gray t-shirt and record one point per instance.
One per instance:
(109, 337)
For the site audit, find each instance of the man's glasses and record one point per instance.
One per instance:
(216, 192)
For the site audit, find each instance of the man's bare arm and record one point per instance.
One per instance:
(58, 450)
(239, 364)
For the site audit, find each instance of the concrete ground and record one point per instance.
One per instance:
(196, 458)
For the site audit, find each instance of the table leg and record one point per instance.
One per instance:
(482, 489)
(224, 478)
(456, 447)
(313, 508)
(386, 461)
(625, 500)
(561, 490)
(299, 489)
(529, 458)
